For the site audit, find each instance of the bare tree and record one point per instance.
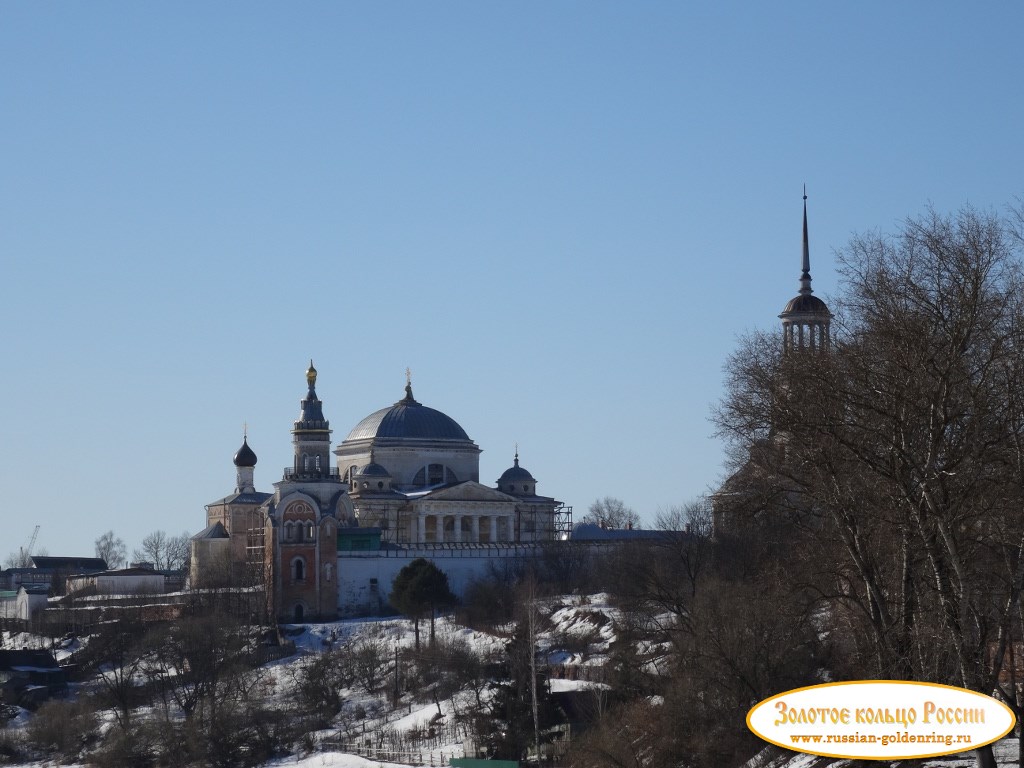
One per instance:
(370, 656)
(902, 450)
(119, 654)
(112, 549)
(692, 517)
(194, 659)
(610, 512)
(164, 552)
(22, 559)
(178, 551)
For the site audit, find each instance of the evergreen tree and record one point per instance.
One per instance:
(418, 588)
(510, 725)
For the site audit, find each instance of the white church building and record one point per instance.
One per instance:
(329, 540)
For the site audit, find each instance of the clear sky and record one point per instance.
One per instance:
(559, 215)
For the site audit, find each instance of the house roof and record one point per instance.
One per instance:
(254, 497)
(27, 658)
(592, 532)
(70, 563)
(213, 531)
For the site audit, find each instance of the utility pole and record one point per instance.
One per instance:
(532, 629)
(396, 676)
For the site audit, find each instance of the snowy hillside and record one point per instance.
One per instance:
(428, 722)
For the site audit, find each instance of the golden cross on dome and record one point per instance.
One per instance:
(408, 377)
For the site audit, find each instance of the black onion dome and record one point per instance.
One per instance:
(806, 303)
(245, 456)
(516, 474)
(408, 419)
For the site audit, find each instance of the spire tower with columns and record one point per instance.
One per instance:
(806, 319)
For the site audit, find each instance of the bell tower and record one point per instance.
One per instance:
(311, 435)
(806, 319)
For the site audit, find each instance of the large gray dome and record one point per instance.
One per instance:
(408, 419)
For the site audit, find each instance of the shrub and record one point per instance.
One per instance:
(128, 747)
(62, 727)
(11, 747)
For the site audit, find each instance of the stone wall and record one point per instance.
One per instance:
(364, 578)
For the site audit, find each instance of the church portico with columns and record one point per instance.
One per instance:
(468, 513)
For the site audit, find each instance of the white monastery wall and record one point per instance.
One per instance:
(365, 578)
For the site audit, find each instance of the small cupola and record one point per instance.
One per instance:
(373, 478)
(517, 480)
(245, 456)
(245, 463)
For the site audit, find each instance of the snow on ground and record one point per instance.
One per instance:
(586, 623)
(578, 630)
(561, 686)
(334, 760)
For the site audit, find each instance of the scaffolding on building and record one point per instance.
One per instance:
(563, 522)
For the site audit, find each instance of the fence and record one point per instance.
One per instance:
(428, 745)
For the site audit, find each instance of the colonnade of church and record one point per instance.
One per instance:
(806, 336)
(458, 527)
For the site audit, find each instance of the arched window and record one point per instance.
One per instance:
(298, 613)
(310, 533)
(434, 474)
(298, 569)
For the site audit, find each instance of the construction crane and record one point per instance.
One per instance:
(26, 551)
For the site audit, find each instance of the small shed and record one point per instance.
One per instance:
(31, 598)
(30, 676)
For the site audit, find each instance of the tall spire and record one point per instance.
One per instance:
(805, 277)
(806, 319)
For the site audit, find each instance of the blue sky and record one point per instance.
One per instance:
(560, 216)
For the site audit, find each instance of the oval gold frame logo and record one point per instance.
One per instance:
(880, 720)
